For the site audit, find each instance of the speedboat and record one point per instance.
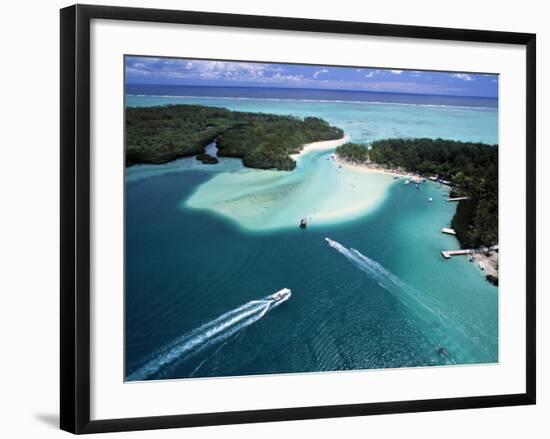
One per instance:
(281, 295)
(335, 244)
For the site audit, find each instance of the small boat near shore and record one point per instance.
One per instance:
(303, 223)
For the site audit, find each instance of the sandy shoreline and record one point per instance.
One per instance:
(366, 168)
(323, 145)
(318, 189)
(488, 261)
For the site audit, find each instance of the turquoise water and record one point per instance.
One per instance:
(198, 276)
(365, 121)
(318, 189)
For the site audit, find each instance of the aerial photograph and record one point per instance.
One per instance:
(297, 218)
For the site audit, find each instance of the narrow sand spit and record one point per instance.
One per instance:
(323, 145)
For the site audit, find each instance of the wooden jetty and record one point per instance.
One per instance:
(448, 231)
(448, 253)
(458, 198)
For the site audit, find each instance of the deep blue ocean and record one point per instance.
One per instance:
(151, 90)
(197, 281)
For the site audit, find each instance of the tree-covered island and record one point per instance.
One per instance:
(265, 141)
(472, 169)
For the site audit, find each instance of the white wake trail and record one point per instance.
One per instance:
(450, 340)
(206, 335)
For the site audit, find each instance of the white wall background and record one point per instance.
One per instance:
(29, 249)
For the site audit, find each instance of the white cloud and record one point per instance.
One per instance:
(318, 72)
(209, 75)
(179, 68)
(278, 77)
(194, 71)
(462, 76)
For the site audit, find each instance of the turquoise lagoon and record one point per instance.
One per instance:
(206, 245)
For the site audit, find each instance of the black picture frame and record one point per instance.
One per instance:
(75, 217)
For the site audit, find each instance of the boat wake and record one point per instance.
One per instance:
(450, 340)
(208, 335)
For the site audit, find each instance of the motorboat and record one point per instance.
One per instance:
(281, 295)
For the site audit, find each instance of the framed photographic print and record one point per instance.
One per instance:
(267, 218)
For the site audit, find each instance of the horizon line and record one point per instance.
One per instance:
(316, 89)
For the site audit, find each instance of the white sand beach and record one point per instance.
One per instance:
(323, 145)
(489, 262)
(368, 169)
(319, 189)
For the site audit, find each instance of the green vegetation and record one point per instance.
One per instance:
(265, 141)
(354, 152)
(472, 168)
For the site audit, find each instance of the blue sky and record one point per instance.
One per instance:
(178, 71)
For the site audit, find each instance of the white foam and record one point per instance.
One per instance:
(207, 335)
(445, 334)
